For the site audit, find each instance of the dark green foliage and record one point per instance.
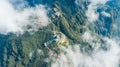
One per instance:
(17, 48)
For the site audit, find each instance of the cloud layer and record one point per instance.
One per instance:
(104, 53)
(14, 20)
(74, 57)
(91, 13)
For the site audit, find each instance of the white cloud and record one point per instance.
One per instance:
(92, 14)
(19, 4)
(73, 57)
(98, 1)
(105, 14)
(87, 36)
(17, 21)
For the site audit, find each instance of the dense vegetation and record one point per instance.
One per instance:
(15, 50)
